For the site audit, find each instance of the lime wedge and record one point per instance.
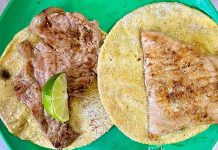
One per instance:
(55, 97)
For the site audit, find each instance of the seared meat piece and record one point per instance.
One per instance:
(28, 90)
(73, 42)
(70, 43)
(181, 84)
(26, 84)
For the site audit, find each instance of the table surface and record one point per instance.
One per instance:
(3, 4)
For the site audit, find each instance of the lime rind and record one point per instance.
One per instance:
(55, 97)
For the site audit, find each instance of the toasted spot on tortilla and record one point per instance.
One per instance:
(5, 74)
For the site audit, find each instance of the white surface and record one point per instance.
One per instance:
(216, 146)
(215, 2)
(3, 3)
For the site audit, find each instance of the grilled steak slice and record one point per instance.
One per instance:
(28, 90)
(70, 44)
(73, 41)
(181, 84)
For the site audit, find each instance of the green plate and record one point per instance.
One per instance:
(18, 14)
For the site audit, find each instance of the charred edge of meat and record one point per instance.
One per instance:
(5, 74)
(51, 10)
(48, 11)
(63, 144)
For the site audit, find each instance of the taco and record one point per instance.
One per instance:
(54, 42)
(125, 81)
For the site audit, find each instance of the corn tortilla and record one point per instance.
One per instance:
(120, 65)
(87, 115)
